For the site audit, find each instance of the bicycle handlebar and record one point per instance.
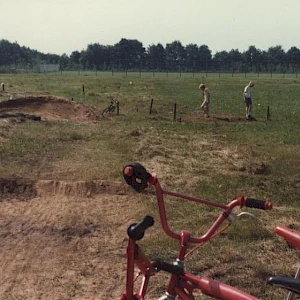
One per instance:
(136, 231)
(260, 204)
(136, 176)
(139, 178)
(291, 284)
(161, 265)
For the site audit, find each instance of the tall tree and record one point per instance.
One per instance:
(9, 52)
(293, 58)
(129, 53)
(276, 57)
(75, 57)
(253, 58)
(63, 61)
(175, 54)
(98, 56)
(192, 52)
(192, 56)
(156, 56)
(236, 59)
(222, 61)
(205, 57)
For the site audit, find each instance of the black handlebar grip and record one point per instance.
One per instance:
(136, 176)
(167, 267)
(291, 284)
(260, 204)
(136, 231)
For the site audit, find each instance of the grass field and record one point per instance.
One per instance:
(217, 159)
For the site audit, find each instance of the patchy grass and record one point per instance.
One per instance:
(215, 160)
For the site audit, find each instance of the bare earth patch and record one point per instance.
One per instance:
(60, 239)
(50, 108)
(214, 119)
(63, 240)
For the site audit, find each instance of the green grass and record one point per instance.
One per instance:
(275, 142)
(215, 160)
(214, 151)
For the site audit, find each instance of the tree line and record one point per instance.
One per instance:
(130, 54)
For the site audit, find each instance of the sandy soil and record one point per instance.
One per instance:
(49, 108)
(61, 240)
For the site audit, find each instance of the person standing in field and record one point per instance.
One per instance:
(206, 99)
(247, 98)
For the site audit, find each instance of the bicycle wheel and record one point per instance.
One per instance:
(105, 111)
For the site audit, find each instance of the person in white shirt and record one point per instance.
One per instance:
(247, 98)
(206, 99)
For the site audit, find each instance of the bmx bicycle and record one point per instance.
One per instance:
(114, 104)
(182, 285)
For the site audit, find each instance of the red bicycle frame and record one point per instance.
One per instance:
(181, 284)
(291, 284)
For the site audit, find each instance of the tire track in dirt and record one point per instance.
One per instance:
(57, 246)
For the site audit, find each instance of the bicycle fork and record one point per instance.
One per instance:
(173, 289)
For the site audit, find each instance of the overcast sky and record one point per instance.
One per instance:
(64, 26)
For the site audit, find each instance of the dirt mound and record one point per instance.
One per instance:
(24, 189)
(64, 248)
(50, 108)
(213, 119)
(65, 240)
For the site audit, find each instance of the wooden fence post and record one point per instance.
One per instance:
(268, 113)
(151, 104)
(175, 111)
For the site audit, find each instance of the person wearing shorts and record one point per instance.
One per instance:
(206, 99)
(247, 98)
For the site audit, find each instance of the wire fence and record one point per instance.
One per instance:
(170, 69)
(161, 74)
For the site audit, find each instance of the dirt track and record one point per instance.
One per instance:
(50, 108)
(58, 239)
(57, 246)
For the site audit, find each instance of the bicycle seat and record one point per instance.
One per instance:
(290, 235)
(290, 284)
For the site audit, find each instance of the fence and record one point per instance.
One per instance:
(160, 74)
(168, 68)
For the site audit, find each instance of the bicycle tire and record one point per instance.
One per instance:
(112, 109)
(105, 111)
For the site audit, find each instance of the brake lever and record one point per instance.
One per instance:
(233, 217)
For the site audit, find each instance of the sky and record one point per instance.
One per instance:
(63, 26)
